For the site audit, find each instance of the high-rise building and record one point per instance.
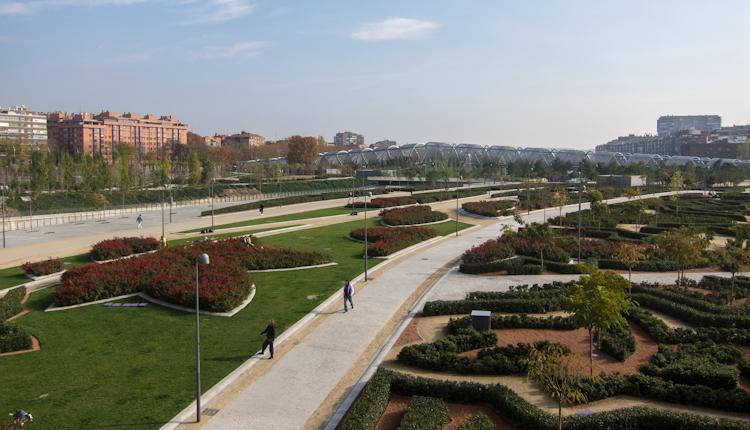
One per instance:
(24, 126)
(672, 124)
(100, 134)
(348, 138)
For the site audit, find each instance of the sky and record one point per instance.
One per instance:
(535, 73)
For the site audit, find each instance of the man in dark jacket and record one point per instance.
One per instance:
(270, 333)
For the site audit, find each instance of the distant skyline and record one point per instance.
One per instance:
(572, 74)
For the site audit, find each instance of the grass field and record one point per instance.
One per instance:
(134, 368)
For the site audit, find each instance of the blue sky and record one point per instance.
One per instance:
(565, 74)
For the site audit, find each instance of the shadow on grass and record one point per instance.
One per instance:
(122, 425)
(239, 358)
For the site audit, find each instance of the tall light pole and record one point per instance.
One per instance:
(462, 179)
(580, 196)
(280, 187)
(365, 195)
(3, 188)
(202, 259)
(162, 212)
(212, 204)
(170, 200)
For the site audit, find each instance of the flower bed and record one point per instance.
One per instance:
(122, 247)
(42, 268)
(384, 202)
(412, 215)
(491, 250)
(389, 240)
(489, 209)
(602, 249)
(168, 274)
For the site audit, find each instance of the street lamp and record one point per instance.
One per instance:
(162, 212)
(2, 189)
(170, 200)
(581, 189)
(202, 259)
(212, 204)
(365, 195)
(462, 179)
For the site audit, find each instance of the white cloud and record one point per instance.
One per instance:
(18, 8)
(243, 49)
(394, 28)
(216, 11)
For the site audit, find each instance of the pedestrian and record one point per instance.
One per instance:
(348, 293)
(140, 220)
(261, 208)
(270, 333)
(21, 417)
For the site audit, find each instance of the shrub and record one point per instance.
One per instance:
(491, 250)
(425, 413)
(384, 202)
(618, 342)
(696, 371)
(388, 240)
(42, 268)
(411, 215)
(122, 247)
(488, 209)
(689, 314)
(456, 307)
(10, 303)
(479, 421)
(13, 338)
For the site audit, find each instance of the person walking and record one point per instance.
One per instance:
(348, 293)
(140, 220)
(261, 208)
(270, 333)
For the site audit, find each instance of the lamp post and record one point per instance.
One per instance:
(162, 212)
(170, 200)
(212, 204)
(461, 178)
(365, 195)
(280, 171)
(581, 187)
(2, 189)
(528, 189)
(202, 259)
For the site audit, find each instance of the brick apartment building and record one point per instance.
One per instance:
(348, 138)
(100, 134)
(243, 140)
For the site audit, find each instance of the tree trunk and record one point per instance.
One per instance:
(591, 352)
(559, 411)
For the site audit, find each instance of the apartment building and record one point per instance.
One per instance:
(24, 126)
(100, 134)
(244, 140)
(348, 138)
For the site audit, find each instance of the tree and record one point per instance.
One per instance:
(744, 149)
(635, 209)
(165, 169)
(180, 152)
(67, 174)
(630, 254)
(560, 199)
(608, 192)
(656, 203)
(541, 234)
(675, 185)
(600, 211)
(557, 373)
(732, 259)
(39, 172)
(683, 245)
(207, 172)
(194, 169)
(598, 301)
(741, 235)
(321, 141)
(629, 193)
(302, 150)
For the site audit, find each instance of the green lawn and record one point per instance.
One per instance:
(319, 213)
(134, 367)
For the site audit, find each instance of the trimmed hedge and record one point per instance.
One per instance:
(695, 371)
(13, 338)
(457, 307)
(425, 413)
(689, 314)
(681, 298)
(516, 410)
(660, 332)
(618, 342)
(10, 303)
(479, 421)
(443, 354)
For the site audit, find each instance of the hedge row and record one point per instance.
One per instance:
(618, 342)
(660, 332)
(724, 285)
(456, 307)
(515, 409)
(695, 371)
(689, 314)
(479, 421)
(425, 413)
(642, 266)
(522, 265)
(684, 299)
(10, 303)
(443, 354)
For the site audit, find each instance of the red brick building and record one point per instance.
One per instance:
(100, 134)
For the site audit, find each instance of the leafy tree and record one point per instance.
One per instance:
(557, 374)
(208, 170)
(675, 185)
(600, 211)
(194, 169)
(635, 209)
(67, 175)
(630, 254)
(656, 203)
(598, 302)
(741, 235)
(39, 172)
(321, 141)
(683, 245)
(180, 152)
(559, 199)
(540, 233)
(608, 192)
(732, 259)
(302, 150)
(744, 149)
(629, 193)
(165, 169)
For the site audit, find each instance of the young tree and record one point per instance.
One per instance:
(683, 245)
(732, 259)
(208, 170)
(559, 199)
(630, 254)
(67, 171)
(675, 185)
(194, 169)
(598, 302)
(541, 234)
(635, 209)
(656, 203)
(557, 373)
(629, 193)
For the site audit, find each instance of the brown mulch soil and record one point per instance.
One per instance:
(410, 333)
